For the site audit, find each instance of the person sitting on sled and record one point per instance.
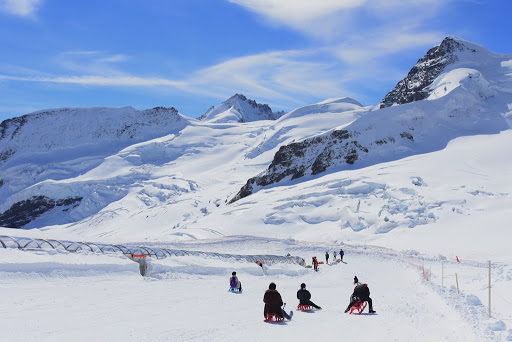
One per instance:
(273, 303)
(234, 282)
(362, 293)
(304, 297)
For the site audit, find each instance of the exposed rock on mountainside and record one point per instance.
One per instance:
(468, 98)
(239, 108)
(414, 86)
(27, 210)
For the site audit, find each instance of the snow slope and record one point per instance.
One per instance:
(471, 95)
(439, 189)
(185, 299)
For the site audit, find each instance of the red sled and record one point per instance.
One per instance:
(304, 307)
(358, 306)
(321, 262)
(270, 318)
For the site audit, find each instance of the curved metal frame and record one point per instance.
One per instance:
(159, 253)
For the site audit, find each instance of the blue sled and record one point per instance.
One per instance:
(234, 290)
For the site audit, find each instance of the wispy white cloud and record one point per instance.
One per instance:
(283, 75)
(24, 8)
(337, 19)
(297, 12)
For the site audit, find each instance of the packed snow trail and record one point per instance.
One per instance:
(100, 297)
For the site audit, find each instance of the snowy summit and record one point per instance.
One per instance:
(239, 108)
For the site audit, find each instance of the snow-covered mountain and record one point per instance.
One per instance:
(126, 175)
(467, 91)
(239, 108)
(52, 145)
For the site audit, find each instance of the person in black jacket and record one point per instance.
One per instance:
(362, 293)
(273, 303)
(304, 297)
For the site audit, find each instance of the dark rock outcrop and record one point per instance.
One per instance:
(23, 212)
(311, 156)
(413, 86)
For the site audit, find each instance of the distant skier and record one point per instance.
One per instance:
(304, 297)
(326, 257)
(273, 303)
(341, 254)
(234, 282)
(356, 281)
(362, 293)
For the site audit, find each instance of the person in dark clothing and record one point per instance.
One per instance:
(356, 281)
(334, 256)
(304, 297)
(362, 293)
(273, 303)
(341, 254)
(326, 257)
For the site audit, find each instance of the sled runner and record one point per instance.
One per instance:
(273, 318)
(304, 307)
(358, 306)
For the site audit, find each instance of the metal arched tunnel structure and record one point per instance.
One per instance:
(135, 253)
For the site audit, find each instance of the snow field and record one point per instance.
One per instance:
(186, 299)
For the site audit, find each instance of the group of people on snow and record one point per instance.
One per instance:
(274, 302)
(342, 253)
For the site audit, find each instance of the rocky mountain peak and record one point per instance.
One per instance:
(414, 86)
(238, 108)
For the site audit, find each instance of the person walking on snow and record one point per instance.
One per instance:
(326, 257)
(304, 297)
(341, 254)
(356, 281)
(273, 303)
(334, 253)
(234, 282)
(315, 264)
(362, 293)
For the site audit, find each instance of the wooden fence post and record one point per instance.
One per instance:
(489, 288)
(457, 280)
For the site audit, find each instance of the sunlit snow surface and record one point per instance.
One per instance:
(450, 197)
(49, 297)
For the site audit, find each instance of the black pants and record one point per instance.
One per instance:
(311, 304)
(355, 299)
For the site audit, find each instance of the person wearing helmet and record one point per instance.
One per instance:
(273, 303)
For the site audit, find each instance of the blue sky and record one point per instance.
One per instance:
(192, 54)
